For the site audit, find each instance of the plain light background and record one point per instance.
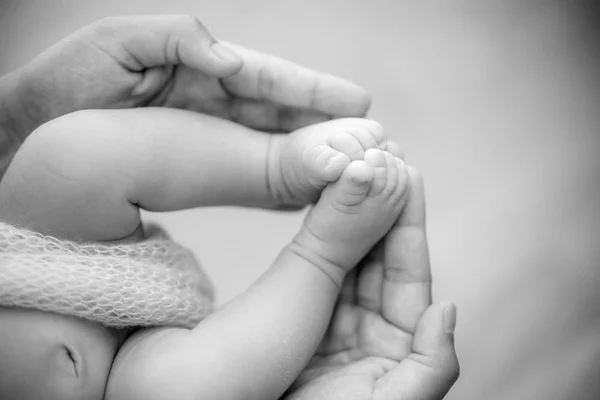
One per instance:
(498, 104)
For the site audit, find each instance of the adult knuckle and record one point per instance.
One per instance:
(314, 90)
(193, 22)
(107, 24)
(415, 175)
(266, 78)
(455, 368)
(451, 367)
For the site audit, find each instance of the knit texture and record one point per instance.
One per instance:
(152, 283)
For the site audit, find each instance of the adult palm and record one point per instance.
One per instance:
(173, 61)
(385, 340)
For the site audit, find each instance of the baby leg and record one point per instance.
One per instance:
(85, 176)
(264, 338)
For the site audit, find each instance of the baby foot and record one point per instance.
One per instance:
(302, 163)
(355, 212)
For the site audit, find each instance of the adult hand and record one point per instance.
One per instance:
(173, 61)
(386, 341)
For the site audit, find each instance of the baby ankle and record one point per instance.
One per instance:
(278, 191)
(316, 251)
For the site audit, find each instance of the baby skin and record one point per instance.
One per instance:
(86, 176)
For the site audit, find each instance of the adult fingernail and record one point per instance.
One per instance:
(225, 54)
(450, 318)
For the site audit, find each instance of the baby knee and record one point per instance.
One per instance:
(66, 147)
(67, 132)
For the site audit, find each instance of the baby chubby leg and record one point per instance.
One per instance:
(85, 176)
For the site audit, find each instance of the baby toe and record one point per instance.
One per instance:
(394, 148)
(392, 173)
(402, 184)
(325, 164)
(377, 159)
(347, 144)
(371, 131)
(377, 132)
(363, 136)
(369, 134)
(353, 186)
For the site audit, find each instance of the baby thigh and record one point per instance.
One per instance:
(71, 179)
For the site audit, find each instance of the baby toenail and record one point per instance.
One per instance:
(331, 160)
(377, 132)
(360, 181)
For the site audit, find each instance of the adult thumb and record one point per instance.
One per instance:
(142, 42)
(431, 369)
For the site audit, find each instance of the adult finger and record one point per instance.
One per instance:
(431, 369)
(141, 42)
(397, 151)
(270, 116)
(370, 279)
(198, 92)
(407, 275)
(369, 286)
(265, 77)
(348, 291)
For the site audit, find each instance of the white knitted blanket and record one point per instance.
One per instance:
(152, 283)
